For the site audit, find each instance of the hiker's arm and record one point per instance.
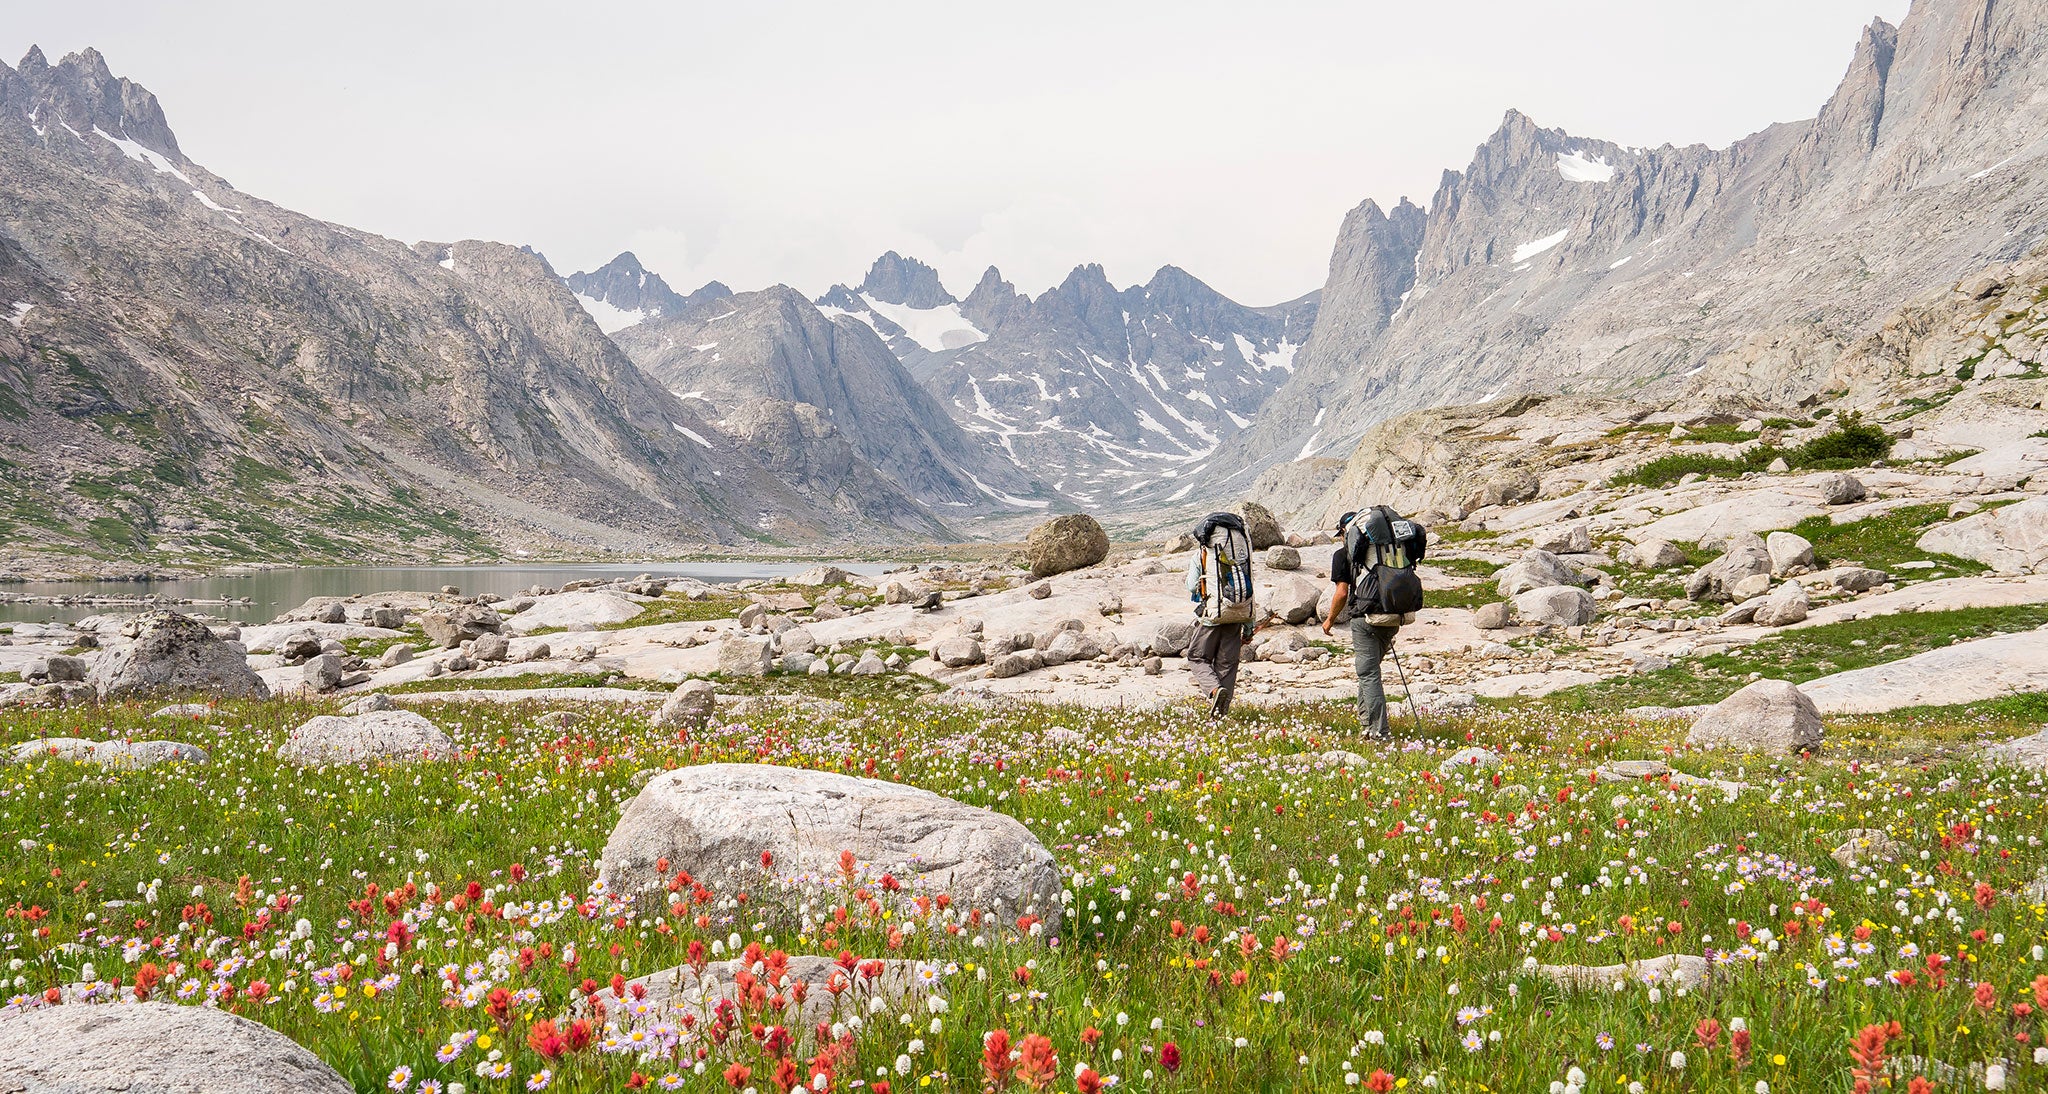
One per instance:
(1337, 600)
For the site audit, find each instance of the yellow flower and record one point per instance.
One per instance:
(484, 1041)
(1778, 1059)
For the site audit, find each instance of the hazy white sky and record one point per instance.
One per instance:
(757, 142)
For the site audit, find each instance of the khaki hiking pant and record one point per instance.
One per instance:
(1369, 645)
(1213, 656)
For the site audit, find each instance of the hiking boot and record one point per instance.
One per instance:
(1219, 703)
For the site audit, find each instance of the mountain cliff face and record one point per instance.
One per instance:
(1559, 263)
(834, 378)
(188, 369)
(1094, 389)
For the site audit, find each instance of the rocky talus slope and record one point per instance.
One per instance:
(1559, 263)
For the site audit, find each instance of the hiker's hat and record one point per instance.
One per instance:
(1344, 521)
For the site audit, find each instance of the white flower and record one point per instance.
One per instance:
(1994, 1077)
(1678, 1061)
(903, 1064)
(1762, 1087)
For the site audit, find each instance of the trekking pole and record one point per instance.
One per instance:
(1414, 705)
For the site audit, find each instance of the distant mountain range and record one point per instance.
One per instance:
(1087, 391)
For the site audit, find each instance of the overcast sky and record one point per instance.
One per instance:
(762, 142)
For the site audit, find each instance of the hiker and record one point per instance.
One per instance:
(1373, 572)
(1220, 585)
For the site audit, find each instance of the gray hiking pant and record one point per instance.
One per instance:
(1369, 644)
(1213, 654)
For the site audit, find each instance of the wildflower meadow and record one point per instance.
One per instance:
(1241, 913)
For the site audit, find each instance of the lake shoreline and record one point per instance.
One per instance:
(20, 569)
(245, 594)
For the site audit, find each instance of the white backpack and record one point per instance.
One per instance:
(1224, 586)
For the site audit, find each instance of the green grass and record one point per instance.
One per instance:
(1852, 443)
(1668, 469)
(1719, 434)
(1382, 883)
(1801, 655)
(1883, 542)
(524, 682)
(1464, 567)
(835, 686)
(10, 678)
(1470, 596)
(677, 608)
(372, 648)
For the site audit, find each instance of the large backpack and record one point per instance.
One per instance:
(1223, 586)
(1384, 547)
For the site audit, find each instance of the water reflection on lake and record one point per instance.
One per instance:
(260, 596)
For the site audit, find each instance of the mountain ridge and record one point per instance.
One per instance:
(1554, 262)
(202, 373)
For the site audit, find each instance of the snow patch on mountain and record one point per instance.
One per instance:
(1531, 249)
(1576, 166)
(936, 329)
(610, 317)
(141, 153)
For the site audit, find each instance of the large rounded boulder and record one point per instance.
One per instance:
(1536, 569)
(1771, 716)
(384, 736)
(718, 821)
(174, 655)
(1261, 526)
(156, 1047)
(1065, 543)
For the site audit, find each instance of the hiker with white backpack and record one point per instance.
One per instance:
(1220, 584)
(1374, 575)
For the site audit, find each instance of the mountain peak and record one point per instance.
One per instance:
(894, 279)
(622, 292)
(1175, 287)
(81, 92)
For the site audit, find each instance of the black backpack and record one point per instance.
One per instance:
(1384, 547)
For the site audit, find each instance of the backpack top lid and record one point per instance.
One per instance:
(1206, 531)
(1377, 526)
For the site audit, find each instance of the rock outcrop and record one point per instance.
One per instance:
(174, 656)
(2013, 539)
(1770, 716)
(390, 736)
(127, 755)
(747, 827)
(156, 1047)
(1065, 543)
